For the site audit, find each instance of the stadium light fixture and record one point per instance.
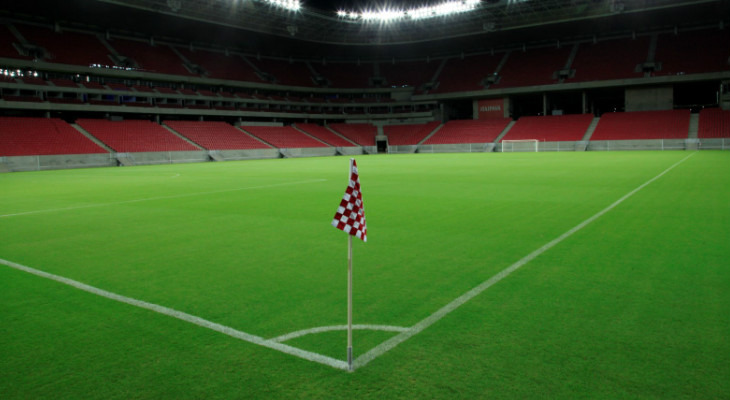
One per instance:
(389, 15)
(291, 5)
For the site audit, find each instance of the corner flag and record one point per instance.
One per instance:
(350, 216)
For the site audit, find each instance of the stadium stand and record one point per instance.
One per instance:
(408, 73)
(610, 59)
(351, 76)
(324, 135)
(6, 44)
(362, 134)
(466, 74)
(31, 80)
(160, 58)
(668, 124)
(221, 66)
(410, 134)
(134, 136)
(23, 136)
(533, 67)
(469, 131)
(553, 128)
(709, 52)
(93, 85)
(283, 137)
(287, 73)
(67, 47)
(215, 135)
(64, 83)
(714, 123)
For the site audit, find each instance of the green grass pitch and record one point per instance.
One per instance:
(635, 304)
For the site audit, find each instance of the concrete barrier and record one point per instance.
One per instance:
(231, 155)
(456, 148)
(309, 152)
(66, 161)
(653, 144)
(402, 149)
(166, 157)
(350, 151)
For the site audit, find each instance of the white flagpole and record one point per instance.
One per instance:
(349, 302)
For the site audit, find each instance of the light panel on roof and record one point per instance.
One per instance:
(292, 5)
(389, 15)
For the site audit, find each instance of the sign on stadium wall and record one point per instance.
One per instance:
(492, 108)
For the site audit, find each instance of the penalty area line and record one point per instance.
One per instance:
(226, 330)
(391, 343)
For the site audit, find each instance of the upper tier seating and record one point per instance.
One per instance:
(554, 128)
(469, 131)
(221, 66)
(283, 137)
(324, 135)
(714, 123)
(7, 50)
(463, 75)
(362, 134)
(408, 73)
(159, 58)
(709, 52)
(135, 136)
(669, 124)
(67, 47)
(346, 75)
(294, 74)
(216, 135)
(610, 59)
(411, 134)
(21, 136)
(533, 67)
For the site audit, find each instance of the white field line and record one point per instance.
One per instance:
(435, 317)
(320, 329)
(176, 196)
(307, 355)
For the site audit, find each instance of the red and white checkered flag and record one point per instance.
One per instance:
(350, 216)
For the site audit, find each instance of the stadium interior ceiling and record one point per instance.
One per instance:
(315, 31)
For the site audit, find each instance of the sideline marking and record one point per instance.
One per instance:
(389, 344)
(177, 196)
(294, 351)
(320, 329)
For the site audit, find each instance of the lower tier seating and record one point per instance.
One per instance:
(411, 134)
(714, 123)
(283, 137)
(215, 135)
(135, 136)
(469, 131)
(42, 136)
(554, 128)
(324, 135)
(667, 124)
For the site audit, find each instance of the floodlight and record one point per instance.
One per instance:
(292, 5)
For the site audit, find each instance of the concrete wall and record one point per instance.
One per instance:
(309, 152)
(649, 98)
(657, 144)
(249, 154)
(69, 161)
(166, 157)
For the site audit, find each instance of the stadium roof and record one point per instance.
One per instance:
(316, 30)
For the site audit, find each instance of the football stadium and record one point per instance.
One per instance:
(362, 199)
